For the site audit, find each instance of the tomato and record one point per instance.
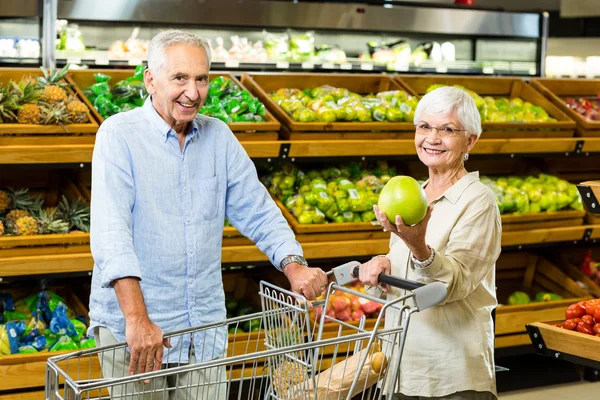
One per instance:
(597, 328)
(575, 311)
(570, 324)
(590, 306)
(578, 320)
(597, 313)
(585, 328)
(588, 319)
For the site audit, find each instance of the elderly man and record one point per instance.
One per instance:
(164, 178)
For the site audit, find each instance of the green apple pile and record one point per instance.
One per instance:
(504, 109)
(344, 194)
(331, 104)
(544, 193)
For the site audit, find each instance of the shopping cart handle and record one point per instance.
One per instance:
(394, 281)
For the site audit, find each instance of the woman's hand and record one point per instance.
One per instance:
(369, 272)
(412, 236)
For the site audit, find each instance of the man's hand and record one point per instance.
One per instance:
(145, 340)
(309, 282)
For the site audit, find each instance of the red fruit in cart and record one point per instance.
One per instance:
(357, 315)
(588, 319)
(330, 313)
(570, 324)
(585, 328)
(355, 304)
(575, 311)
(344, 315)
(369, 307)
(317, 312)
(596, 328)
(341, 303)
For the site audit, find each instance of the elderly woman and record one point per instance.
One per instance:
(449, 349)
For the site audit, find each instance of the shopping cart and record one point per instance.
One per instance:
(298, 351)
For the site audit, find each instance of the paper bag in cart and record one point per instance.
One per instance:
(335, 382)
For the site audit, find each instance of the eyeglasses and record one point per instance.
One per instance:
(443, 131)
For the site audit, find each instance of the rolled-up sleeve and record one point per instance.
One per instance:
(473, 248)
(250, 208)
(113, 197)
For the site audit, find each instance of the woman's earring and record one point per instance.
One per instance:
(465, 157)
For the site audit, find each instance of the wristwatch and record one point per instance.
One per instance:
(293, 259)
(425, 263)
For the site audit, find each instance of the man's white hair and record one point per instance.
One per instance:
(451, 100)
(159, 44)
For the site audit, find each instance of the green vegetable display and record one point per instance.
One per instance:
(344, 194)
(331, 104)
(544, 193)
(238, 308)
(520, 298)
(225, 100)
(228, 102)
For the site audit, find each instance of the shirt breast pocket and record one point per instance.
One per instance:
(210, 198)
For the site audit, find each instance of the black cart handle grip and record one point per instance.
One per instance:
(394, 281)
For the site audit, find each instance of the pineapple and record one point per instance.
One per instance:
(27, 96)
(78, 111)
(55, 114)
(2, 231)
(8, 105)
(20, 199)
(14, 215)
(25, 226)
(52, 89)
(76, 213)
(4, 202)
(48, 223)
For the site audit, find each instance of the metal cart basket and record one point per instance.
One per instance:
(288, 356)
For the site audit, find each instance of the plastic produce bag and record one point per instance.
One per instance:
(87, 343)
(64, 343)
(60, 323)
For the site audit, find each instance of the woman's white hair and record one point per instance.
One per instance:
(451, 100)
(165, 39)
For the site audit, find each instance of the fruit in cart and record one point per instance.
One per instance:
(52, 88)
(405, 197)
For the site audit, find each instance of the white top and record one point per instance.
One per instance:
(450, 347)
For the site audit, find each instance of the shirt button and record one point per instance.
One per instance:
(191, 252)
(188, 220)
(185, 190)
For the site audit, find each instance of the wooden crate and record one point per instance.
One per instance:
(529, 273)
(51, 185)
(557, 90)
(543, 220)
(7, 74)
(569, 260)
(28, 371)
(324, 228)
(262, 84)
(502, 87)
(244, 131)
(568, 342)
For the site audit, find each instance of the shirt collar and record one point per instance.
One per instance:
(455, 191)
(160, 125)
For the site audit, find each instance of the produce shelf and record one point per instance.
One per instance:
(77, 258)
(555, 342)
(590, 193)
(502, 87)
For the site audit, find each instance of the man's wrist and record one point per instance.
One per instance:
(292, 259)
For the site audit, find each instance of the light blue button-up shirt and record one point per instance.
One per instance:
(157, 213)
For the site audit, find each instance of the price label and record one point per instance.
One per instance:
(308, 65)
(328, 66)
(366, 67)
(102, 61)
(320, 186)
(283, 65)
(73, 60)
(135, 61)
(324, 195)
(441, 69)
(232, 64)
(348, 214)
(319, 212)
(346, 67)
(488, 70)
(405, 108)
